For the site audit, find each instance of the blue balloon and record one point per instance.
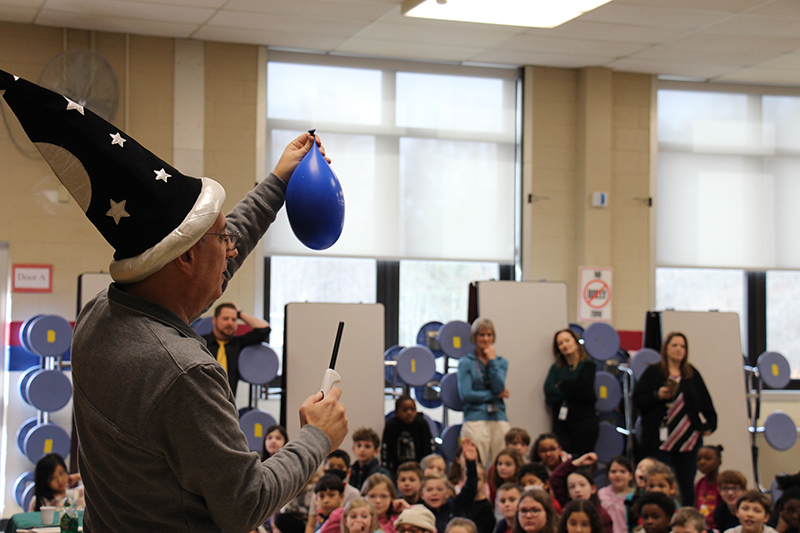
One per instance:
(315, 202)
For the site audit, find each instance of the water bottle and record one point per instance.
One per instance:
(69, 518)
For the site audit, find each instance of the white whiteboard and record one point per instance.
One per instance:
(526, 315)
(715, 350)
(310, 332)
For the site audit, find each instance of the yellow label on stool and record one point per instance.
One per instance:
(51, 336)
(456, 342)
(258, 430)
(774, 369)
(413, 366)
(603, 392)
(48, 445)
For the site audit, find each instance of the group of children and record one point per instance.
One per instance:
(527, 489)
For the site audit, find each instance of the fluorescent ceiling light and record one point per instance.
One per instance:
(531, 13)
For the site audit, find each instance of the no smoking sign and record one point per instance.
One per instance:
(594, 300)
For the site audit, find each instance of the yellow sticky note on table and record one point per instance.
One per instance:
(48, 445)
(51, 336)
(258, 430)
(774, 369)
(603, 392)
(456, 342)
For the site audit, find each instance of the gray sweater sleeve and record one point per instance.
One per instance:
(198, 432)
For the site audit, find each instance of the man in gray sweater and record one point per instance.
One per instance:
(160, 444)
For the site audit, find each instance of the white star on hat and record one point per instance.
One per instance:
(16, 78)
(73, 105)
(116, 138)
(162, 175)
(117, 210)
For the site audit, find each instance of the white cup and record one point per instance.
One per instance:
(48, 515)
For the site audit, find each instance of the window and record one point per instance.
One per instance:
(783, 316)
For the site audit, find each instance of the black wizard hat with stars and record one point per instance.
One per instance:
(146, 209)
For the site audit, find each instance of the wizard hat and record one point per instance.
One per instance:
(146, 209)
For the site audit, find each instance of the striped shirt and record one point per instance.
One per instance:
(680, 435)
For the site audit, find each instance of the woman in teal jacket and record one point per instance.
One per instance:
(482, 388)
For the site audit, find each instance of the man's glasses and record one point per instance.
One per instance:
(230, 239)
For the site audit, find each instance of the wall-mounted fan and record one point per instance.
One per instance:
(85, 77)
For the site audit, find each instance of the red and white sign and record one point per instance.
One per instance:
(594, 300)
(32, 278)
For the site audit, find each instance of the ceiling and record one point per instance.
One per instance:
(738, 41)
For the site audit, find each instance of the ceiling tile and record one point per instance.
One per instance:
(781, 8)
(303, 41)
(407, 50)
(281, 23)
(514, 57)
(208, 4)
(314, 9)
(734, 43)
(132, 10)
(683, 70)
(115, 24)
(759, 75)
(723, 6)
(17, 14)
(606, 31)
(786, 61)
(548, 45)
(661, 17)
(677, 54)
(422, 35)
(757, 25)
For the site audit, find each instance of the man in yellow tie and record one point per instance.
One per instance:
(224, 343)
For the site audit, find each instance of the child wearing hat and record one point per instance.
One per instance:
(415, 519)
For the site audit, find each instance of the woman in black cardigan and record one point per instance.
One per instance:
(676, 411)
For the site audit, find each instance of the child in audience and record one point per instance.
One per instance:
(785, 518)
(337, 463)
(436, 490)
(366, 445)
(612, 497)
(688, 520)
(328, 494)
(571, 480)
(416, 517)
(52, 481)
(406, 436)
(656, 510)
(580, 516)
(359, 517)
(732, 484)
(535, 476)
(508, 495)
(275, 440)
(461, 525)
(548, 451)
(535, 514)
(639, 478)
(706, 491)
(379, 490)
(481, 512)
(409, 481)
(433, 463)
(661, 478)
(520, 439)
(752, 510)
(506, 469)
(457, 474)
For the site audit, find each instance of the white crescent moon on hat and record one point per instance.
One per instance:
(70, 171)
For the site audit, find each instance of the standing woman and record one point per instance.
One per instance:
(569, 392)
(676, 411)
(482, 389)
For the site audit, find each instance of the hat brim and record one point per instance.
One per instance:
(194, 226)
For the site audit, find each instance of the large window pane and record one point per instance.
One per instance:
(319, 280)
(436, 291)
(783, 316)
(703, 289)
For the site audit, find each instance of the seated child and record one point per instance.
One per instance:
(414, 518)
(436, 490)
(379, 490)
(358, 516)
(406, 436)
(786, 517)
(688, 520)
(461, 525)
(580, 516)
(572, 480)
(366, 446)
(656, 510)
(481, 513)
(433, 463)
(507, 499)
(337, 463)
(706, 490)
(52, 483)
(752, 510)
(536, 476)
(639, 480)
(612, 497)
(519, 439)
(328, 495)
(732, 484)
(409, 481)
